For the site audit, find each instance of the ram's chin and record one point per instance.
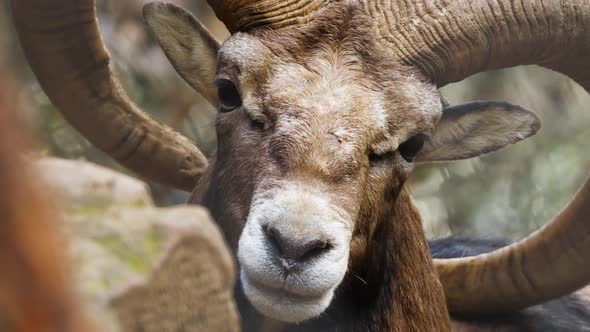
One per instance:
(284, 306)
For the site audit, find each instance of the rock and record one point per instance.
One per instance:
(138, 267)
(89, 188)
(190, 289)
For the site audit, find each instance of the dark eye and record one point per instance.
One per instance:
(229, 96)
(410, 148)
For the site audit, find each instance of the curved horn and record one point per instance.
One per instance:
(63, 45)
(244, 15)
(450, 40)
(550, 263)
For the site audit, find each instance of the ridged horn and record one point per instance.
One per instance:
(244, 15)
(63, 45)
(450, 40)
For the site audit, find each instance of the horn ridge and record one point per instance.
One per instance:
(246, 15)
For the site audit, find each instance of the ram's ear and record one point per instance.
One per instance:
(189, 46)
(472, 129)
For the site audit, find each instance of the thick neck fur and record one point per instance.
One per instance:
(407, 295)
(391, 287)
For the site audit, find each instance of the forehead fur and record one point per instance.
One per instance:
(331, 76)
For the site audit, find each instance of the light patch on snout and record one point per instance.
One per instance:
(306, 290)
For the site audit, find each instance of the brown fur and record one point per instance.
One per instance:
(33, 291)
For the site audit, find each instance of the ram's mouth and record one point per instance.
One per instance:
(281, 292)
(282, 304)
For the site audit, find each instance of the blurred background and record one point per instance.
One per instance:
(505, 194)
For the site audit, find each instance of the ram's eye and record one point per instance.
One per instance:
(229, 96)
(410, 148)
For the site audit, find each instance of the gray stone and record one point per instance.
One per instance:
(137, 266)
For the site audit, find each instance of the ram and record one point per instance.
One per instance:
(325, 107)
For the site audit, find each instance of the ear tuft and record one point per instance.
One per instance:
(189, 46)
(476, 128)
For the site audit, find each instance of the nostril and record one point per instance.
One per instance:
(275, 238)
(314, 248)
(294, 249)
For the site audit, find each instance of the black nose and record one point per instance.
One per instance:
(296, 249)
